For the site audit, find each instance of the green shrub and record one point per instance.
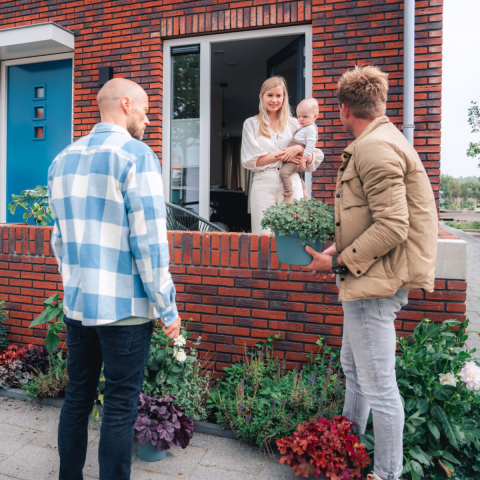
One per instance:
(442, 415)
(261, 401)
(311, 219)
(51, 384)
(3, 328)
(53, 310)
(464, 225)
(169, 371)
(35, 204)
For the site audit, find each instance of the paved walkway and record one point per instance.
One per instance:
(473, 283)
(28, 451)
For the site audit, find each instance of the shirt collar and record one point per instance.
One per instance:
(109, 127)
(370, 128)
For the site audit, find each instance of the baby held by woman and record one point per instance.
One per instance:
(306, 136)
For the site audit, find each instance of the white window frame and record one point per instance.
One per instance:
(205, 43)
(3, 118)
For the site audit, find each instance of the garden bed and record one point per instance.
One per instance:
(200, 427)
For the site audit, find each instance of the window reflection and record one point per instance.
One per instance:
(185, 127)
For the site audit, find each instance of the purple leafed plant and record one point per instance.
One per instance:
(162, 423)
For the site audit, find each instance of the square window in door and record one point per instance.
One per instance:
(39, 132)
(39, 92)
(39, 112)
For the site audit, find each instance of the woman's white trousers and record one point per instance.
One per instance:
(267, 190)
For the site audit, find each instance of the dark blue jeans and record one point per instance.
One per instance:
(124, 352)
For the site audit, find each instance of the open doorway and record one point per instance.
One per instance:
(238, 69)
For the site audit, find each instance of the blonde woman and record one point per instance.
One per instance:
(265, 147)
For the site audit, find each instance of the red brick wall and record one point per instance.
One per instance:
(127, 35)
(231, 285)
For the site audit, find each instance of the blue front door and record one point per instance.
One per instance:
(39, 123)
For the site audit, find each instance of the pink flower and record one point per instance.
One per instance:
(470, 374)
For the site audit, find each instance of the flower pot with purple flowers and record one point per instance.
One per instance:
(160, 424)
(301, 223)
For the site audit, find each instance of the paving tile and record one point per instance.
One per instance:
(201, 440)
(12, 438)
(42, 418)
(177, 462)
(235, 455)
(150, 474)
(91, 462)
(214, 473)
(5, 414)
(49, 439)
(31, 462)
(273, 470)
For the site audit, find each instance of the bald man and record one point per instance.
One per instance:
(110, 241)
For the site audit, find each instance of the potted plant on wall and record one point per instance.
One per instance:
(160, 424)
(324, 450)
(303, 222)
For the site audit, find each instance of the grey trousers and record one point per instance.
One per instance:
(368, 361)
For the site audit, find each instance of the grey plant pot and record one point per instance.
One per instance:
(290, 249)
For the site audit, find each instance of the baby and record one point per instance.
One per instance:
(306, 136)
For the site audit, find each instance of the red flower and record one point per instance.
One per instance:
(14, 352)
(320, 447)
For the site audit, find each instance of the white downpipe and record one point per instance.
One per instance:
(409, 69)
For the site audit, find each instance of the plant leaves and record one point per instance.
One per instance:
(418, 454)
(434, 429)
(52, 341)
(41, 319)
(51, 299)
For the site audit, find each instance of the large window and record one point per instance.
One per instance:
(211, 86)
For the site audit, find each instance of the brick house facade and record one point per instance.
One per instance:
(230, 284)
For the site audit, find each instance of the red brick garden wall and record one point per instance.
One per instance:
(231, 285)
(128, 35)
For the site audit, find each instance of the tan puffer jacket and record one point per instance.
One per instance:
(385, 216)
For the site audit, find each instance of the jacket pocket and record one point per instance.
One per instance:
(387, 265)
(352, 191)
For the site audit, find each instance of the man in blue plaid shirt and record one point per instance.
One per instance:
(110, 241)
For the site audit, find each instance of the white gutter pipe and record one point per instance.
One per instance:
(409, 69)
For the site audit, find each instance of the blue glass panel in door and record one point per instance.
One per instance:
(32, 145)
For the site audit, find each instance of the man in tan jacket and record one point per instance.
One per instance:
(386, 232)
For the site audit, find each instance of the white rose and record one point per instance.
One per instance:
(180, 355)
(180, 341)
(448, 379)
(470, 374)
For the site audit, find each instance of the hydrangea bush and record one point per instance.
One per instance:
(311, 219)
(439, 382)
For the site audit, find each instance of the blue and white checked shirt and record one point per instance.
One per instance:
(110, 233)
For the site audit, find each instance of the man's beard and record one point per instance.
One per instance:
(135, 131)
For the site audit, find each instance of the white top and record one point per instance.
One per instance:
(307, 136)
(255, 146)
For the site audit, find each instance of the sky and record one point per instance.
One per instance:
(461, 84)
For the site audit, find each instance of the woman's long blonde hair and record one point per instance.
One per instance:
(283, 115)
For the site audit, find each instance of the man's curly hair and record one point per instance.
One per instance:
(364, 90)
